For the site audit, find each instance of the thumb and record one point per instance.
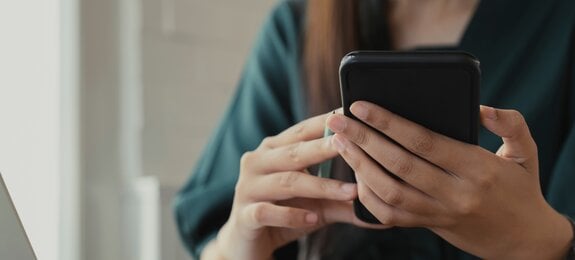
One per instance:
(518, 145)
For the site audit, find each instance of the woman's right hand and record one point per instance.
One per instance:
(277, 201)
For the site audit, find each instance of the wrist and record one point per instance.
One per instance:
(550, 238)
(231, 244)
(211, 251)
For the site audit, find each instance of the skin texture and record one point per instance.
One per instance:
(277, 200)
(416, 23)
(489, 205)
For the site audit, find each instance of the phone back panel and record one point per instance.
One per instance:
(438, 90)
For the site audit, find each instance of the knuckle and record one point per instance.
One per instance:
(423, 143)
(353, 161)
(330, 187)
(486, 180)
(518, 122)
(384, 213)
(259, 214)
(362, 137)
(267, 142)
(239, 188)
(517, 117)
(465, 209)
(402, 166)
(393, 197)
(356, 164)
(246, 161)
(294, 151)
(288, 179)
(291, 219)
(299, 129)
(326, 186)
(381, 123)
(364, 196)
(467, 206)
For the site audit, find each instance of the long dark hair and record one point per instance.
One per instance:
(332, 30)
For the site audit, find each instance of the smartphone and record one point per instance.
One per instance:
(438, 90)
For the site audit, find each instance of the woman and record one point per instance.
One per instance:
(252, 197)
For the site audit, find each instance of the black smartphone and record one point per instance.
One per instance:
(438, 90)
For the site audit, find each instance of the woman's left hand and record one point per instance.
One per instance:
(489, 205)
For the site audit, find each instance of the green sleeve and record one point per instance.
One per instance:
(263, 105)
(561, 193)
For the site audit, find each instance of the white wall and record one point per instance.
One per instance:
(154, 76)
(30, 116)
(192, 54)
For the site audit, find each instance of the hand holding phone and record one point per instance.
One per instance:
(414, 172)
(438, 90)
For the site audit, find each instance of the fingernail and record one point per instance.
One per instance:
(337, 124)
(359, 110)
(348, 188)
(491, 113)
(311, 218)
(339, 145)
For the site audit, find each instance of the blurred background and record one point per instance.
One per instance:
(105, 106)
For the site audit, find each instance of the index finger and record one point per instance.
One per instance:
(293, 157)
(447, 153)
(306, 130)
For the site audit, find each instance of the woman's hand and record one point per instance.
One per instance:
(277, 201)
(487, 204)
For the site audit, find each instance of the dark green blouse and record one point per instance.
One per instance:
(527, 54)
